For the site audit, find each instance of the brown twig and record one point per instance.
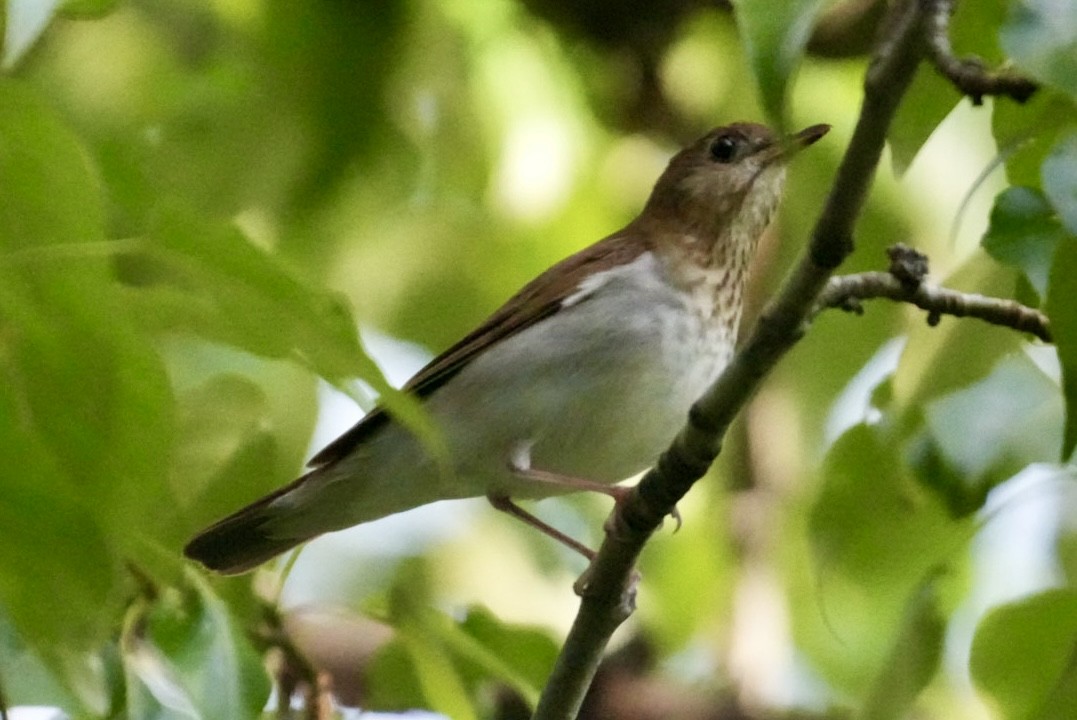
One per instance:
(846, 292)
(606, 595)
(296, 672)
(969, 74)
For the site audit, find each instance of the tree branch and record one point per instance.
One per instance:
(606, 589)
(969, 75)
(846, 292)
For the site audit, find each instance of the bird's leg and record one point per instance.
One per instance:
(506, 505)
(570, 483)
(520, 466)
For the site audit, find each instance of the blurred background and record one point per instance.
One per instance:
(230, 190)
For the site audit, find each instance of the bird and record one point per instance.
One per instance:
(577, 382)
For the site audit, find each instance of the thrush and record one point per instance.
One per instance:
(577, 382)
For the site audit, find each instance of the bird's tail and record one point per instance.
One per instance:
(246, 538)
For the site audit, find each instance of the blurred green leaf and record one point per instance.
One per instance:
(1027, 133)
(393, 681)
(88, 8)
(1041, 37)
(989, 431)
(914, 657)
(186, 657)
(226, 453)
(1062, 311)
(1023, 656)
(874, 535)
(1060, 180)
(59, 579)
(416, 669)
(520, 657)
(28, 680)
(85, 401)
(928, 101)
(774, 35)
(24, 21)
(871, 522)
(1023, 233)
(207, 278)
(439, 663)
(443, 688)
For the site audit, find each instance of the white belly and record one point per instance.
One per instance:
(595, 392)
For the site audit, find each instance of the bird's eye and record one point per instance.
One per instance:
(724, 149)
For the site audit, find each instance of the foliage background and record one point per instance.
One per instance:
(199, 199)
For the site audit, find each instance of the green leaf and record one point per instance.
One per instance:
(85, 403)
(774, 36)
(185, 657)
(871, 522)
(519, 657)
(24, 22)
(207, 278)
(1023, 656)
(1060, 180)
(1027, 133)
(1062, 312)
(987, 432)
(439, 662)
(875, 534)
(58, 576)
(928, 101)
(416, 669)
(1041, 37)
(84, 9)
(27, 680)
(89, 386)
(1023, 233)
(914, 658)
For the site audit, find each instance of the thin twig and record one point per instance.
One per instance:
(296, 671)
(845, 291)
(606, 592)
(969, 74)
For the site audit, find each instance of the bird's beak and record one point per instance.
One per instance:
(806, 137)
(792, 144)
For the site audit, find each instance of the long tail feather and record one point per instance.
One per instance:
(245, 539)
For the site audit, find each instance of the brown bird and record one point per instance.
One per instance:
(577, 382)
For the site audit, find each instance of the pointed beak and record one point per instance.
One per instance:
(806, 137)
(790, 145)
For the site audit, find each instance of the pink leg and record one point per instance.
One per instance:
(567, 482)
(506, 505)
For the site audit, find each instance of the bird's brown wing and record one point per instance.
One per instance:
(537, 300)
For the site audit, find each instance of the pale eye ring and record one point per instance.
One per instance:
(724, 149)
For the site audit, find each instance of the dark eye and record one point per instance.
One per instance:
(724, 149)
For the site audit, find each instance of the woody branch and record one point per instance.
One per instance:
(906, 281)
